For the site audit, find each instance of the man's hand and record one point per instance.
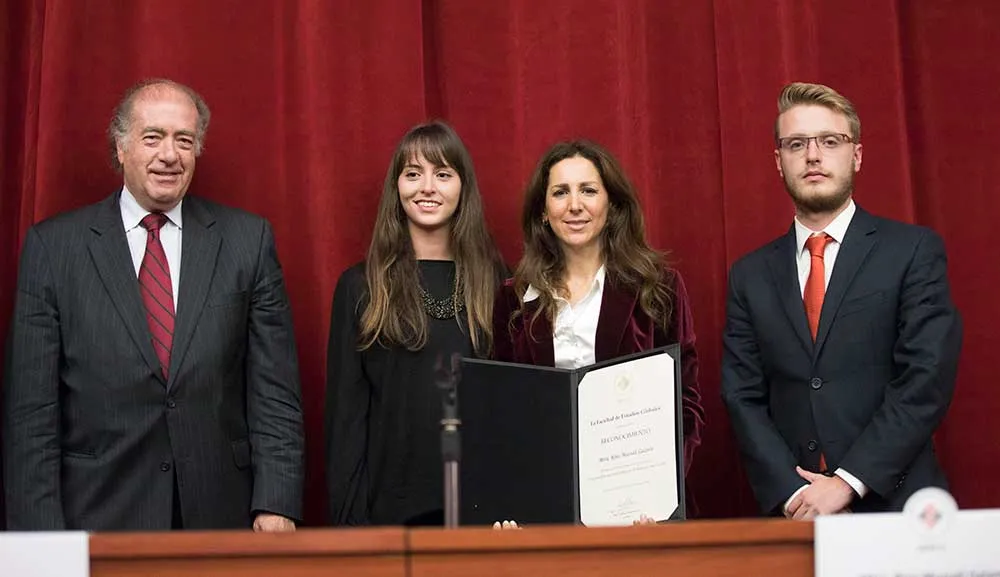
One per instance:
(824, 496)
(271, 523)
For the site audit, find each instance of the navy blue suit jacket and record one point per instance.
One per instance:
(875, 385)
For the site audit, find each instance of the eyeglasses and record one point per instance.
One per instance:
(827, 141)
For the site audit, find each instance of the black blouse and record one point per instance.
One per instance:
(383, 411)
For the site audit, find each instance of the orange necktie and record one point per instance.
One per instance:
(813, 294)
(816, 283)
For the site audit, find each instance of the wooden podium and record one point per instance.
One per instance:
(692, 548)
(307, 552)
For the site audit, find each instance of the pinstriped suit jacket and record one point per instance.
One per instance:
(93, 435)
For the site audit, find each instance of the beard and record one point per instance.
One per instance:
(808, 200)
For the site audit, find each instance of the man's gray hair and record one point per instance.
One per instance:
(121, 120)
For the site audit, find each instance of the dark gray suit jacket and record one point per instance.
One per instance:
(872, 389)
(93, 435)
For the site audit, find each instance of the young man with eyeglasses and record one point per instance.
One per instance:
(841, 341)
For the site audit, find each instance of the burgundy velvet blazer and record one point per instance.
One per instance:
(622, 329)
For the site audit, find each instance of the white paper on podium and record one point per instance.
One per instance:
(627, 442)
(930, 538)
(44, 554)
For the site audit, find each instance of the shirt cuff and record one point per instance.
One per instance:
(794, 495)
(853, 481)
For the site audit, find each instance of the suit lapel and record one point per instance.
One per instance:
(199, 251)
(110, 252)
(614, 318)
(539, 338)
(784, 273)
(858, 243)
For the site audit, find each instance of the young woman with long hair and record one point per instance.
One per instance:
(424, 292)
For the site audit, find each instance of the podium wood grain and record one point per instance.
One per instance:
(305, 553)
(692, 548)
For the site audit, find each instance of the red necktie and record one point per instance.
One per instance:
(157, 290)
(813, 294)
(816, 283)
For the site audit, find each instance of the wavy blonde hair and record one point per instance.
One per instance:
(805, 94)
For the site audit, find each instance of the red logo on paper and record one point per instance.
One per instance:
(930, 516)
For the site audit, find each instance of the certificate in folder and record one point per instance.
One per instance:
(598, 445)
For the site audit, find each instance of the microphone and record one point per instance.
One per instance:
(448, 376)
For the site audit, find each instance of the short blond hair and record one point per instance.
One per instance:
(803, 93)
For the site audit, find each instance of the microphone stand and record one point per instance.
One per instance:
(451, 442)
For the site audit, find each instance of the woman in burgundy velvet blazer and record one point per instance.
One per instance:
(581, 215)
(622, 329)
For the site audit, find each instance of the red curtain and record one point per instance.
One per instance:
(310, 96)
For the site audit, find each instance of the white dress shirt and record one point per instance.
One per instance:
(836, 229)
(170, 236)
(574, 332)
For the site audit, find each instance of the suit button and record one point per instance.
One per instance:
(816, 383)
(164, 466)
(171, 404)
(812, 446)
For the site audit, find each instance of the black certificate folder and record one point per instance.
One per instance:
(521, 440)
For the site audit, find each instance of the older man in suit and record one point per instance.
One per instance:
(152, 380)
(841, 341)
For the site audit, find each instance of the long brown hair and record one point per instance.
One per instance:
(393, 311)
(629, 261)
